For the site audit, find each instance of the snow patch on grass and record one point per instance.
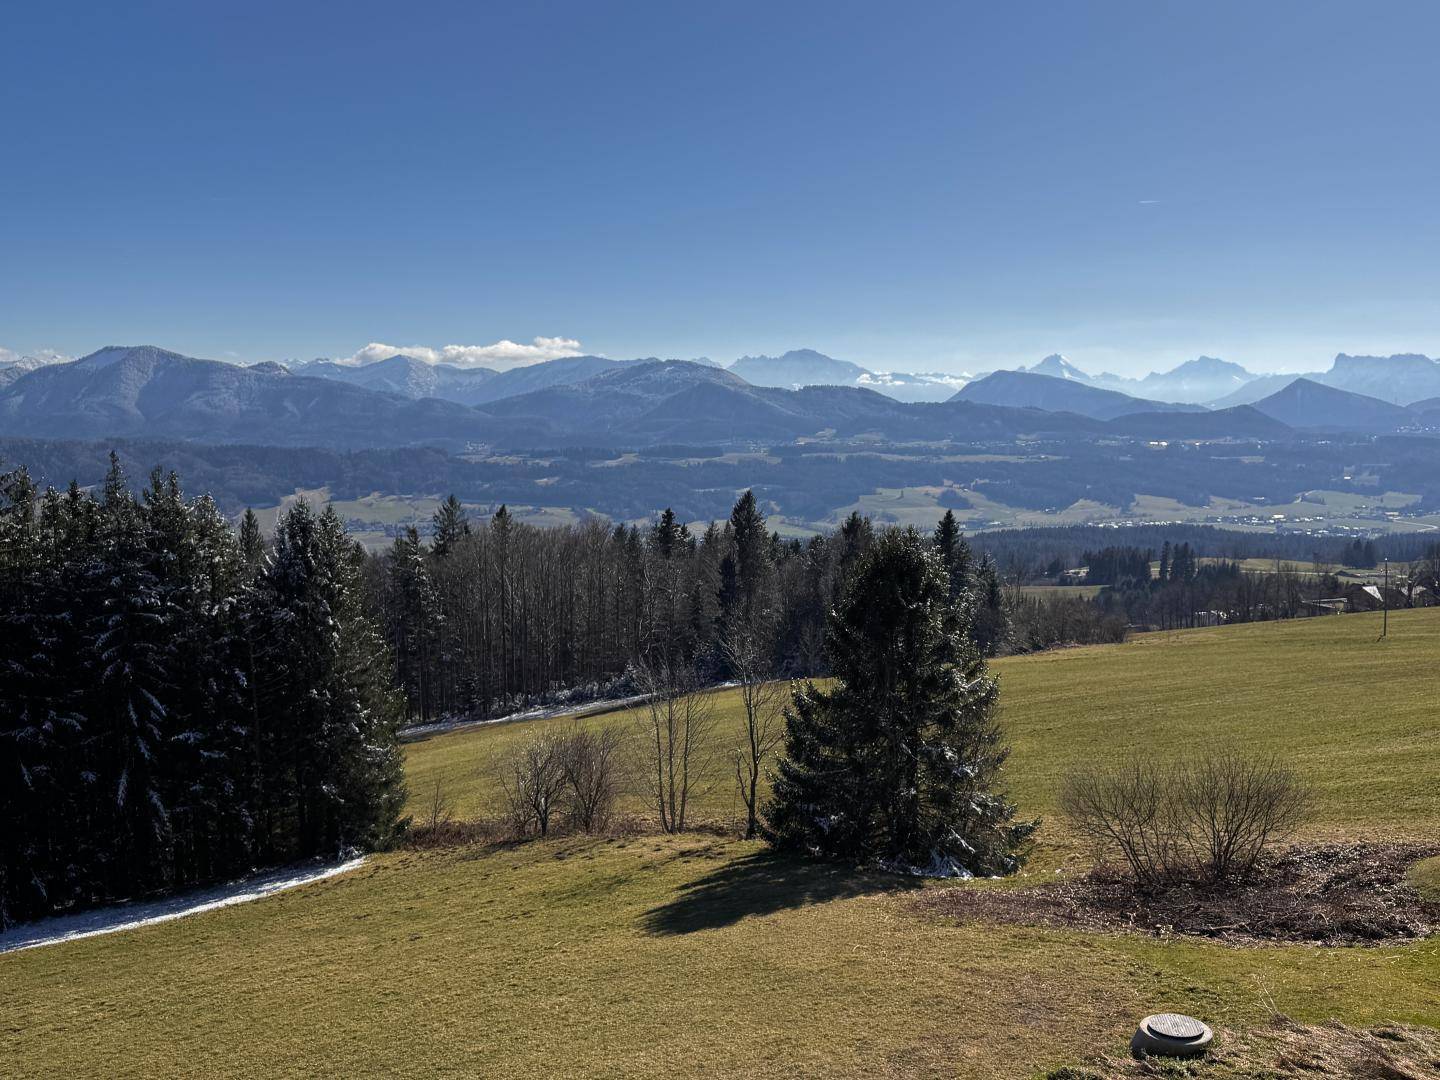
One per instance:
(110, 920)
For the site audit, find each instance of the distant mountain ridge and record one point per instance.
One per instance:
(124, 391)
(145, 391)
(406, 376)
(1057, 367)
(1031, 389)
(1307, 404)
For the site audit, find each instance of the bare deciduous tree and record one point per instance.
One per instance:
(676, 726)
(532, 781)
(763, 701)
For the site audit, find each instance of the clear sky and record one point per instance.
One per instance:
(917, 187)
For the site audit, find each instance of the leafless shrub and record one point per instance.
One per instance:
(1207, 820)
(531, 776)
(591, 761)
(1231, 808)
(439, 810)
(1127, 808)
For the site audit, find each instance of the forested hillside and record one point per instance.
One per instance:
(494, 614)
(180, 703)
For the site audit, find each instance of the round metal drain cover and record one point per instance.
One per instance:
(1176, 1026)
(1171, 1035)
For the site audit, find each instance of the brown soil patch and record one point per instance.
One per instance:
(1330, 894)
(1286, 1049)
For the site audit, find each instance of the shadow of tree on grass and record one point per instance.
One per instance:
(762, 884)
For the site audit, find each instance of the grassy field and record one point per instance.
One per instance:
(702, 956)
(1359, 718)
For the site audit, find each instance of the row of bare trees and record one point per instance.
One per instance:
(489, 617)
(669, 754)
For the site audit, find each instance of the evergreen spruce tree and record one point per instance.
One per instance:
(954, 553)
(415, 620)
(753, 568)
(667, 535)
(449, 526)
(252, 541)
(330, 755)
(130, 666)
(990, 618)
(33, 721)
(899, 763)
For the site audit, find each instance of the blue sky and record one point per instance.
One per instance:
(916, 187)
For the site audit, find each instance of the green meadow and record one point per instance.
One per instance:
(702, 956)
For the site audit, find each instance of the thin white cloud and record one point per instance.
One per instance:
(502, 354)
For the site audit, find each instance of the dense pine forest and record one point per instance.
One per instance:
(179, 703)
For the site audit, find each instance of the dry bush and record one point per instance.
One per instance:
(531, 777)
(1127, 808)
(1232, 809)
(1207, 820)
(575, 775)
(591, 760)
(439, 810)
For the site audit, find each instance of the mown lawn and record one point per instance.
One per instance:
(699, 956)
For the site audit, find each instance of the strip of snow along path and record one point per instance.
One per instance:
(542, 712)
(110, 920)
(539, 712)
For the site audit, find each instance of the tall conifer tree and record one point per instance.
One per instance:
(899, 763)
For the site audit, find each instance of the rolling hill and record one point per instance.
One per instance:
(1239, 422)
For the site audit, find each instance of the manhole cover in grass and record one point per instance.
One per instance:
(1176, 1026)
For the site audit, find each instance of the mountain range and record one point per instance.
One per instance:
(1400, 379)
(146, 391)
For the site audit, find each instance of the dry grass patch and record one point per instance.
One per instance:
(1328, 894)
(1284, 1049)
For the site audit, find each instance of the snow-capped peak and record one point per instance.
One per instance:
(1057, 367)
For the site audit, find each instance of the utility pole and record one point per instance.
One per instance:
(1385, 600)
